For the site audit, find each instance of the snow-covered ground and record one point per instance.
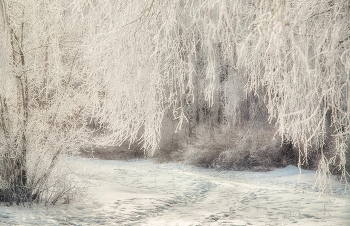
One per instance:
(141, 192)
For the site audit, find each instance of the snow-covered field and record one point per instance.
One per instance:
(141, 192)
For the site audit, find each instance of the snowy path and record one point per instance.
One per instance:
(144, 193)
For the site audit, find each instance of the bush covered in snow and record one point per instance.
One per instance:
(246, 148)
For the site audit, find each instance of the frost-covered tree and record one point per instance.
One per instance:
(294, 54)
(299, 53)
(62, 64)
(43, 97)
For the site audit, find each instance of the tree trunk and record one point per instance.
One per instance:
(14, 171)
